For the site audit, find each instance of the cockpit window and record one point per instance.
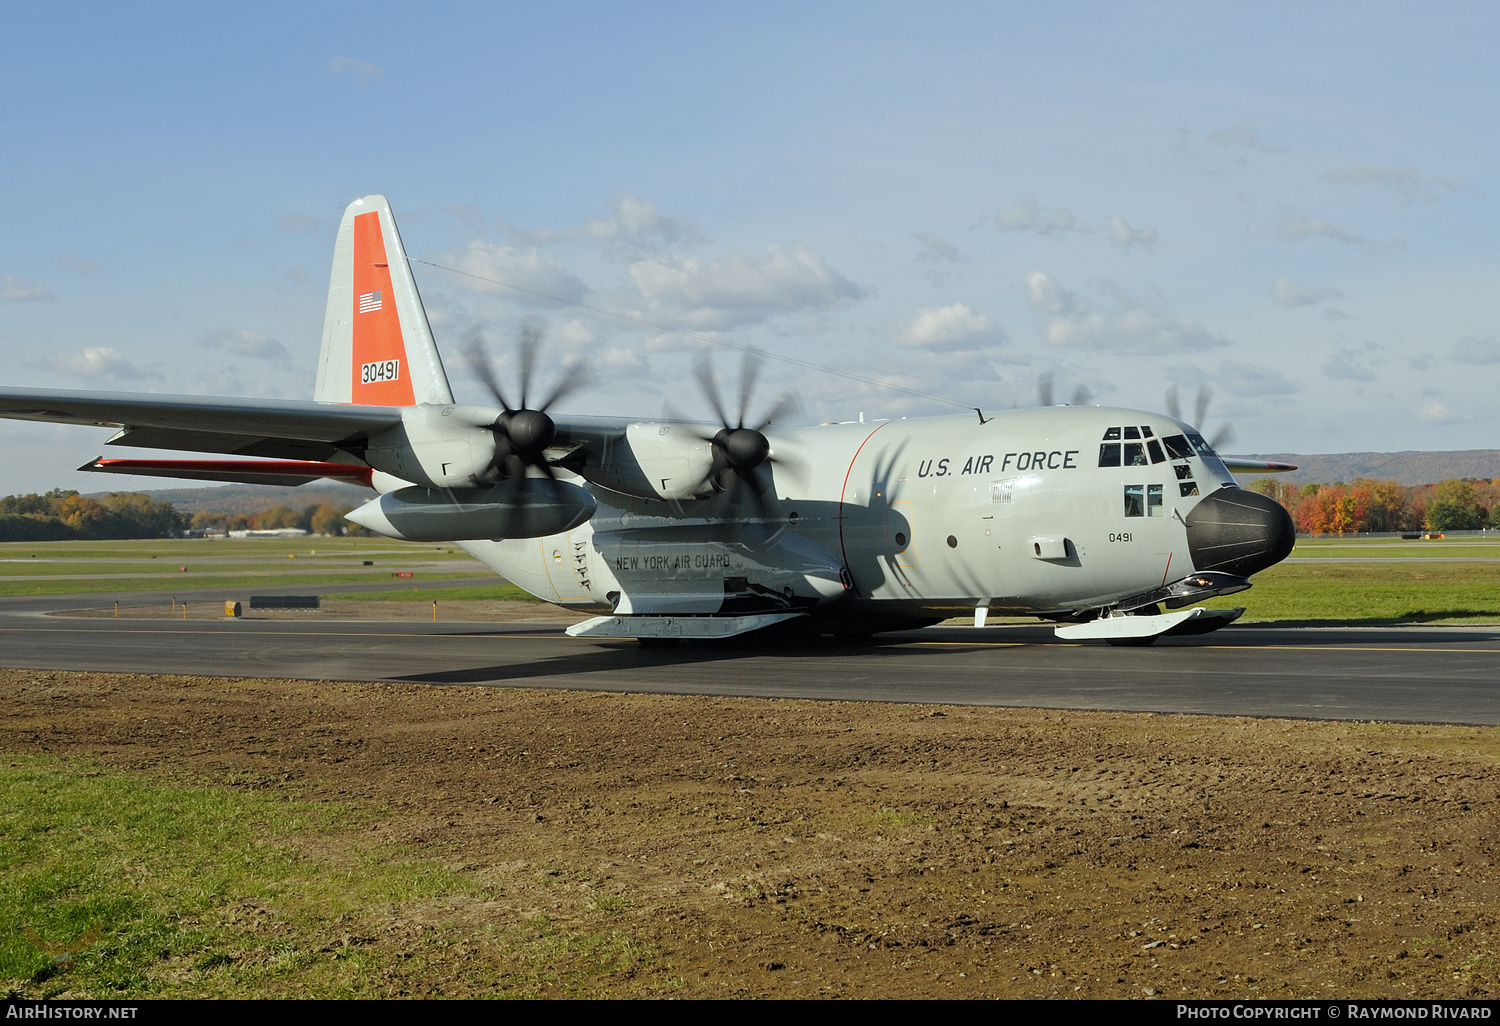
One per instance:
(1132, 432)
(1200, 444)
(1146, 431)
(1177, 447)
(1155, 448)
(1109, 454)
(1135, 454)
(1112, 434)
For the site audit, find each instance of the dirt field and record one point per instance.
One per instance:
(785, 848)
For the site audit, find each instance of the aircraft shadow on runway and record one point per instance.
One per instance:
(627, 655)
(613, 656)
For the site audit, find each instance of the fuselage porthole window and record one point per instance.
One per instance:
(1187, 488)
(1135, 500)
(1184, 471)
(1109, 454)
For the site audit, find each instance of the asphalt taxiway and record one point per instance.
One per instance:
(1407, 673)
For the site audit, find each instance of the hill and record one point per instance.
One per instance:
(1408, 468)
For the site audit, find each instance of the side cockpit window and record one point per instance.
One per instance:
(1177, 447)
(1144, 451)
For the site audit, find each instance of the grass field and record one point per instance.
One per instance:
(1377, 582)
(1326, 580)
(59, 568)
(165, 889)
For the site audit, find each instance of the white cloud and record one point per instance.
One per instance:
(81, 266)
(1128, 328)
(1476, 350)
(363, 71)
(18, 290)
(1432, 411)
(1246, 379)
(1295, 228)
(740, 289)
(246, 343)
(952, 328)
(1124, 236)
(636, 222)
(524, 267)
(1288, 293)
(1034, 220)
(1348, 364)
(936, 250)
(1244, 137)
(95, 362)
(1403, 179)
(616, 362)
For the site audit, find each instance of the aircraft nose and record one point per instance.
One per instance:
(1239, 532)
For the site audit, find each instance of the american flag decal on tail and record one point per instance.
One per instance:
(370, 302)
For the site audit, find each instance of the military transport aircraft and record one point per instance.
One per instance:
(1092, 517)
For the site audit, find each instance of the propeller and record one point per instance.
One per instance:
(740, 448)
(1081, 394)
(522, 432)
(1222, 437)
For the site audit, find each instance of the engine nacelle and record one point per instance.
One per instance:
(535, 509)
(440, 446)
(657, 461)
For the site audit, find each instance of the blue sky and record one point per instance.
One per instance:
(1293, 205)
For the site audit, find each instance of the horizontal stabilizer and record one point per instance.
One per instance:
(267, 472)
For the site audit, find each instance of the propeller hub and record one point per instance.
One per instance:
(530, 432)
(743, 448)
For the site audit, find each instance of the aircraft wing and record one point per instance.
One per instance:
(278, 428)
(1240, 465)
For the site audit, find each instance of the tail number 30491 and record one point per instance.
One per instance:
(381, 370)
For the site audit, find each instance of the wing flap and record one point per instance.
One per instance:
(268, 472)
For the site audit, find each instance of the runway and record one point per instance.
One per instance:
(1411, 674)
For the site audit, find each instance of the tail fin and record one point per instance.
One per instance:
(377, 345)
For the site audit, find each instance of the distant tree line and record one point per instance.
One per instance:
(67, 516)
(318, 518)
(1366, 506)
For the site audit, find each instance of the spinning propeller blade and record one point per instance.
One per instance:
(740, 448)
(522, 433)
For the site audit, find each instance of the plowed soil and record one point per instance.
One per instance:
(790, 848)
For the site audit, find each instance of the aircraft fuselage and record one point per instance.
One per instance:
(913, 520)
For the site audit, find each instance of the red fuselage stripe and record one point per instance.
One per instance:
(842, 492)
